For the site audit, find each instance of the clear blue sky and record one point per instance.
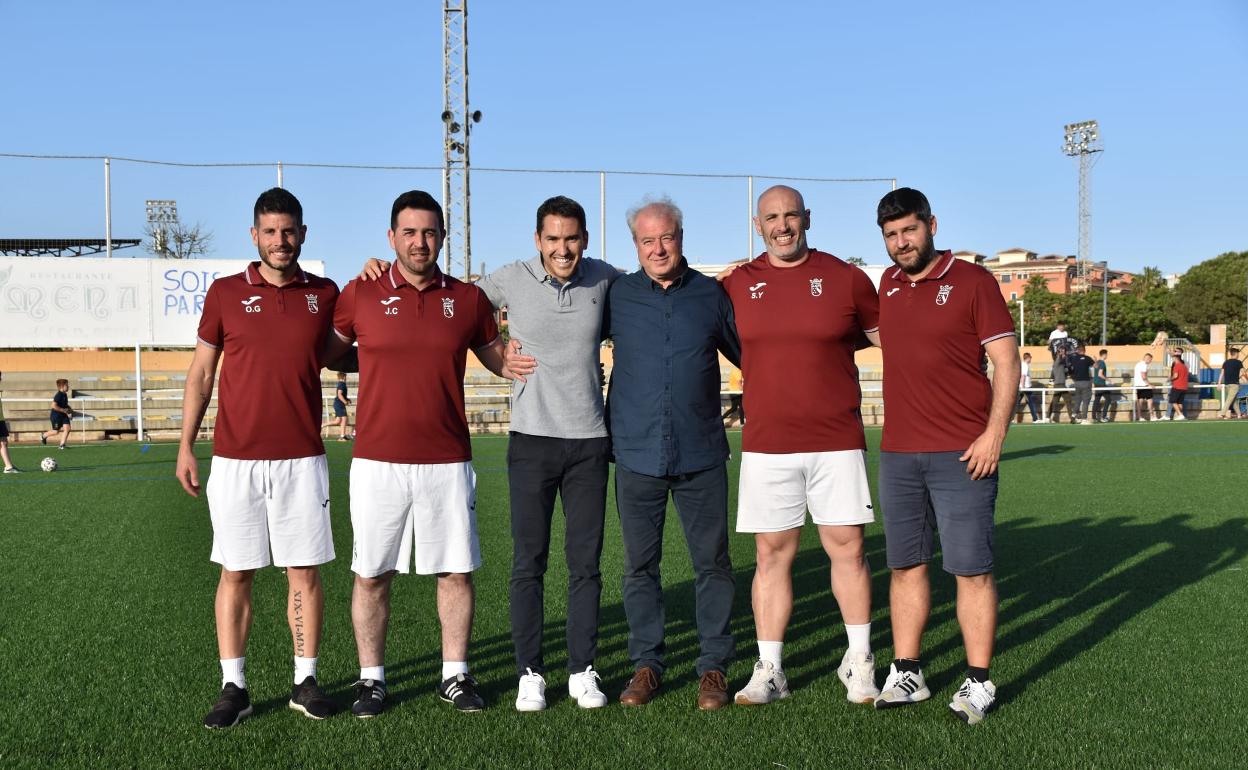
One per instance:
(965, 101)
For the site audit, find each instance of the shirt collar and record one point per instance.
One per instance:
(256, 279)
(397, 280)
(944, 263)
(677, 283)
(538, 266)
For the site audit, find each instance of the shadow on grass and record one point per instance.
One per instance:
(1096, 574)
(1074, 583)
(1049, 449)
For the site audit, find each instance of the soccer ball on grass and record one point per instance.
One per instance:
(48, 465)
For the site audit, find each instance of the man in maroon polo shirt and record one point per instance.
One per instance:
(943, 429)
(413, 489)
(800, 314)
(268, 489)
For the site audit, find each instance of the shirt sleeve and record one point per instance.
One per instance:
(492, 285)
(485, 330)
(211, 330)
(729, 340)
(992, 318)
(866, 301)
(344, 312)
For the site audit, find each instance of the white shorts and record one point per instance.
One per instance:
(776, 490)
(426, 512)
(270, 512)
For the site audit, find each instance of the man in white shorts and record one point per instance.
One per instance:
(801, 314)
(268, 490)
(413, 490)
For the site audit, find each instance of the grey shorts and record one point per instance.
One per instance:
(923, 493)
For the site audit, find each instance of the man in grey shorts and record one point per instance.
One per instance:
(945, 424)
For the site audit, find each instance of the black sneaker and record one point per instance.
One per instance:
(308, 699)
(43, 440)
(370, 698)
(461, 691)
(232, 707)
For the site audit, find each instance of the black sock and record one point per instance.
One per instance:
(977, 674)
(907, 664)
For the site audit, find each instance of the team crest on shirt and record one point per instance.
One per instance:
(816, 287)
(312, 307)
(448, 307)
(942, 295)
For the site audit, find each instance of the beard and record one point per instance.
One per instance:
(915, 262)
(274, 264)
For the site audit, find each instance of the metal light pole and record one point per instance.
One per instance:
(1104, 301)
(457, 122)
(160, 215)
(1083, 141)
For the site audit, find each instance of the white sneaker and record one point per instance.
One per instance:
(1179, 417)
(901, 688)
(585, 688)
(857, 673)
(532, 693)
(973, 700)
(767, 683)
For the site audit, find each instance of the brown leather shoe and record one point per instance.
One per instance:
(712, 691)
(641, 688)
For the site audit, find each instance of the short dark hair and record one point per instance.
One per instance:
(61, 382)
(1103, 352)
(419, 200)
(278, 201)
(1234, 351)
(903, 202)
(561, 206)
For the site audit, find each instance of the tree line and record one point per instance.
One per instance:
(1212, 292)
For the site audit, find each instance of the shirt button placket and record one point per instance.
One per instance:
(668, 356)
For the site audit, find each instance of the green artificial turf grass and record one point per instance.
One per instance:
(1121, 551)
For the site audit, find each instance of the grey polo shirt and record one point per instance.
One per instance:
(561, 326)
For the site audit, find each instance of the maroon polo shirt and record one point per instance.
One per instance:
(799, 328)
(413, 348)
(936, 394)
(271, 337)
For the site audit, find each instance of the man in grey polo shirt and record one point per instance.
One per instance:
(559, 442)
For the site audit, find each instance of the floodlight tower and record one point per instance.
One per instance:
(457, 127)
(161, 214)
(1083, 141)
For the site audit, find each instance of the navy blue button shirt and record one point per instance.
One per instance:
(663, 402)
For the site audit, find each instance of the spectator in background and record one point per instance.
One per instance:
(1229, 379)
(1059, 389)
(341, 400)
(736, 382)
(1100, 379)
(4, 440)
(61, 414)
(1143, 388)
(1079, 364)
(1025, 394)
(1178, 386)
(1059, 333)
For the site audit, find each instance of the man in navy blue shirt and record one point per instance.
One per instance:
(668, 323)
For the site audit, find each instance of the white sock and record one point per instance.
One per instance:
(376, 673)
(304, 668)
(859, 637)
(453, 668)
(771, 652)
(232, 671)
